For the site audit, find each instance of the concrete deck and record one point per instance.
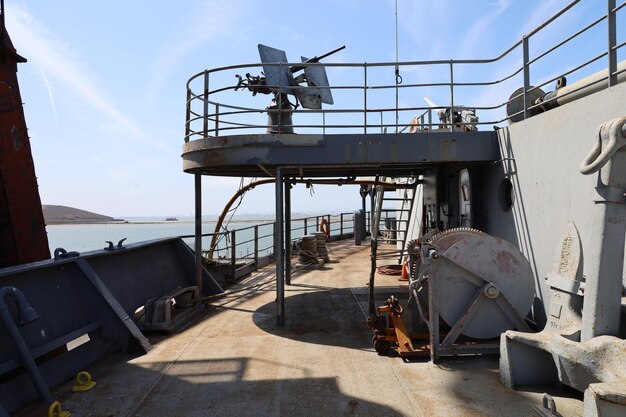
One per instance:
(236, 362)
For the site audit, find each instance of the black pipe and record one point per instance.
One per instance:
(26, 314)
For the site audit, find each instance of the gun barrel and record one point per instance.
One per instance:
(315, 59)
(334, 51)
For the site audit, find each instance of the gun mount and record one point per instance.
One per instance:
(280, 79)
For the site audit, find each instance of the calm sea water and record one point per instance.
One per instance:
(88, 237)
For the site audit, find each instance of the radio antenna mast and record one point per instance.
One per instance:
(398, 76)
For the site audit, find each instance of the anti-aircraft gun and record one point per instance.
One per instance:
(284, 80)
(463, 118)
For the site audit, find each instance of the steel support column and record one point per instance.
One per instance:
(198, 232)
(288, 231)
(372, 209)
(526, 59)
(612, 35)
(278, 249)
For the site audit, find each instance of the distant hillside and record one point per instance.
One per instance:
(64, 215)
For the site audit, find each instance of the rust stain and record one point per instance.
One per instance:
(444, 150)
(506, 262)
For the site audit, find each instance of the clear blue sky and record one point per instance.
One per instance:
(104, 86)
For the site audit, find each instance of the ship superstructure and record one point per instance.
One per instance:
(507, 219)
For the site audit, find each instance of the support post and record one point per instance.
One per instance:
(198, 232)
(187, 115)
(288, 231)
(451, 96)
(233, 252)
(526, 58)
(365, 98)
(279, 236)
(612, 52)
(362, 225)
(372, 210)
(205, 120)
(341, 226)
(256, 247)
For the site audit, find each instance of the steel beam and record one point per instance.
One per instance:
(526, 59)
(278, 250)
(612, 38)
(338, 155)
(288, 231)
(198, 232)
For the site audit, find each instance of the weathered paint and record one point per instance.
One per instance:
(23, 235)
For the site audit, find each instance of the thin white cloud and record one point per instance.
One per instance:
(542, 13)
(479, 31)
(55, 60)
(50, 95)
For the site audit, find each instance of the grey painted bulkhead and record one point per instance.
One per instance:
(93, 294)
(541, 157)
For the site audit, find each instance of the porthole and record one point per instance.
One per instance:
(507, 195)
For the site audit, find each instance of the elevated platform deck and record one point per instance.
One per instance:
(316, 155)
(235, 361)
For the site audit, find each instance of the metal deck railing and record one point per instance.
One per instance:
(215, 108)
(248, 248)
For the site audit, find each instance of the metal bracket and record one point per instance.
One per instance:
(548, 407)
(114, 304)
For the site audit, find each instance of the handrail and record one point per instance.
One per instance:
(217, 111)
(301, 224)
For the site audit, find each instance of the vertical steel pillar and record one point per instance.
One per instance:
(451, 96)
(372, 209)
(341, 226)
(233, 252)
(205, 121)
(256, 247)
(279, 246)
(526, 58)
(612, 52)
(198, 233)
(365, 98)
(187, 115)
(288, 231)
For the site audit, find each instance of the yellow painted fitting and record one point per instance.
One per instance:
(83, 382)
(55, 410)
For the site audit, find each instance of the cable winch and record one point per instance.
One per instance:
(466, 288)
